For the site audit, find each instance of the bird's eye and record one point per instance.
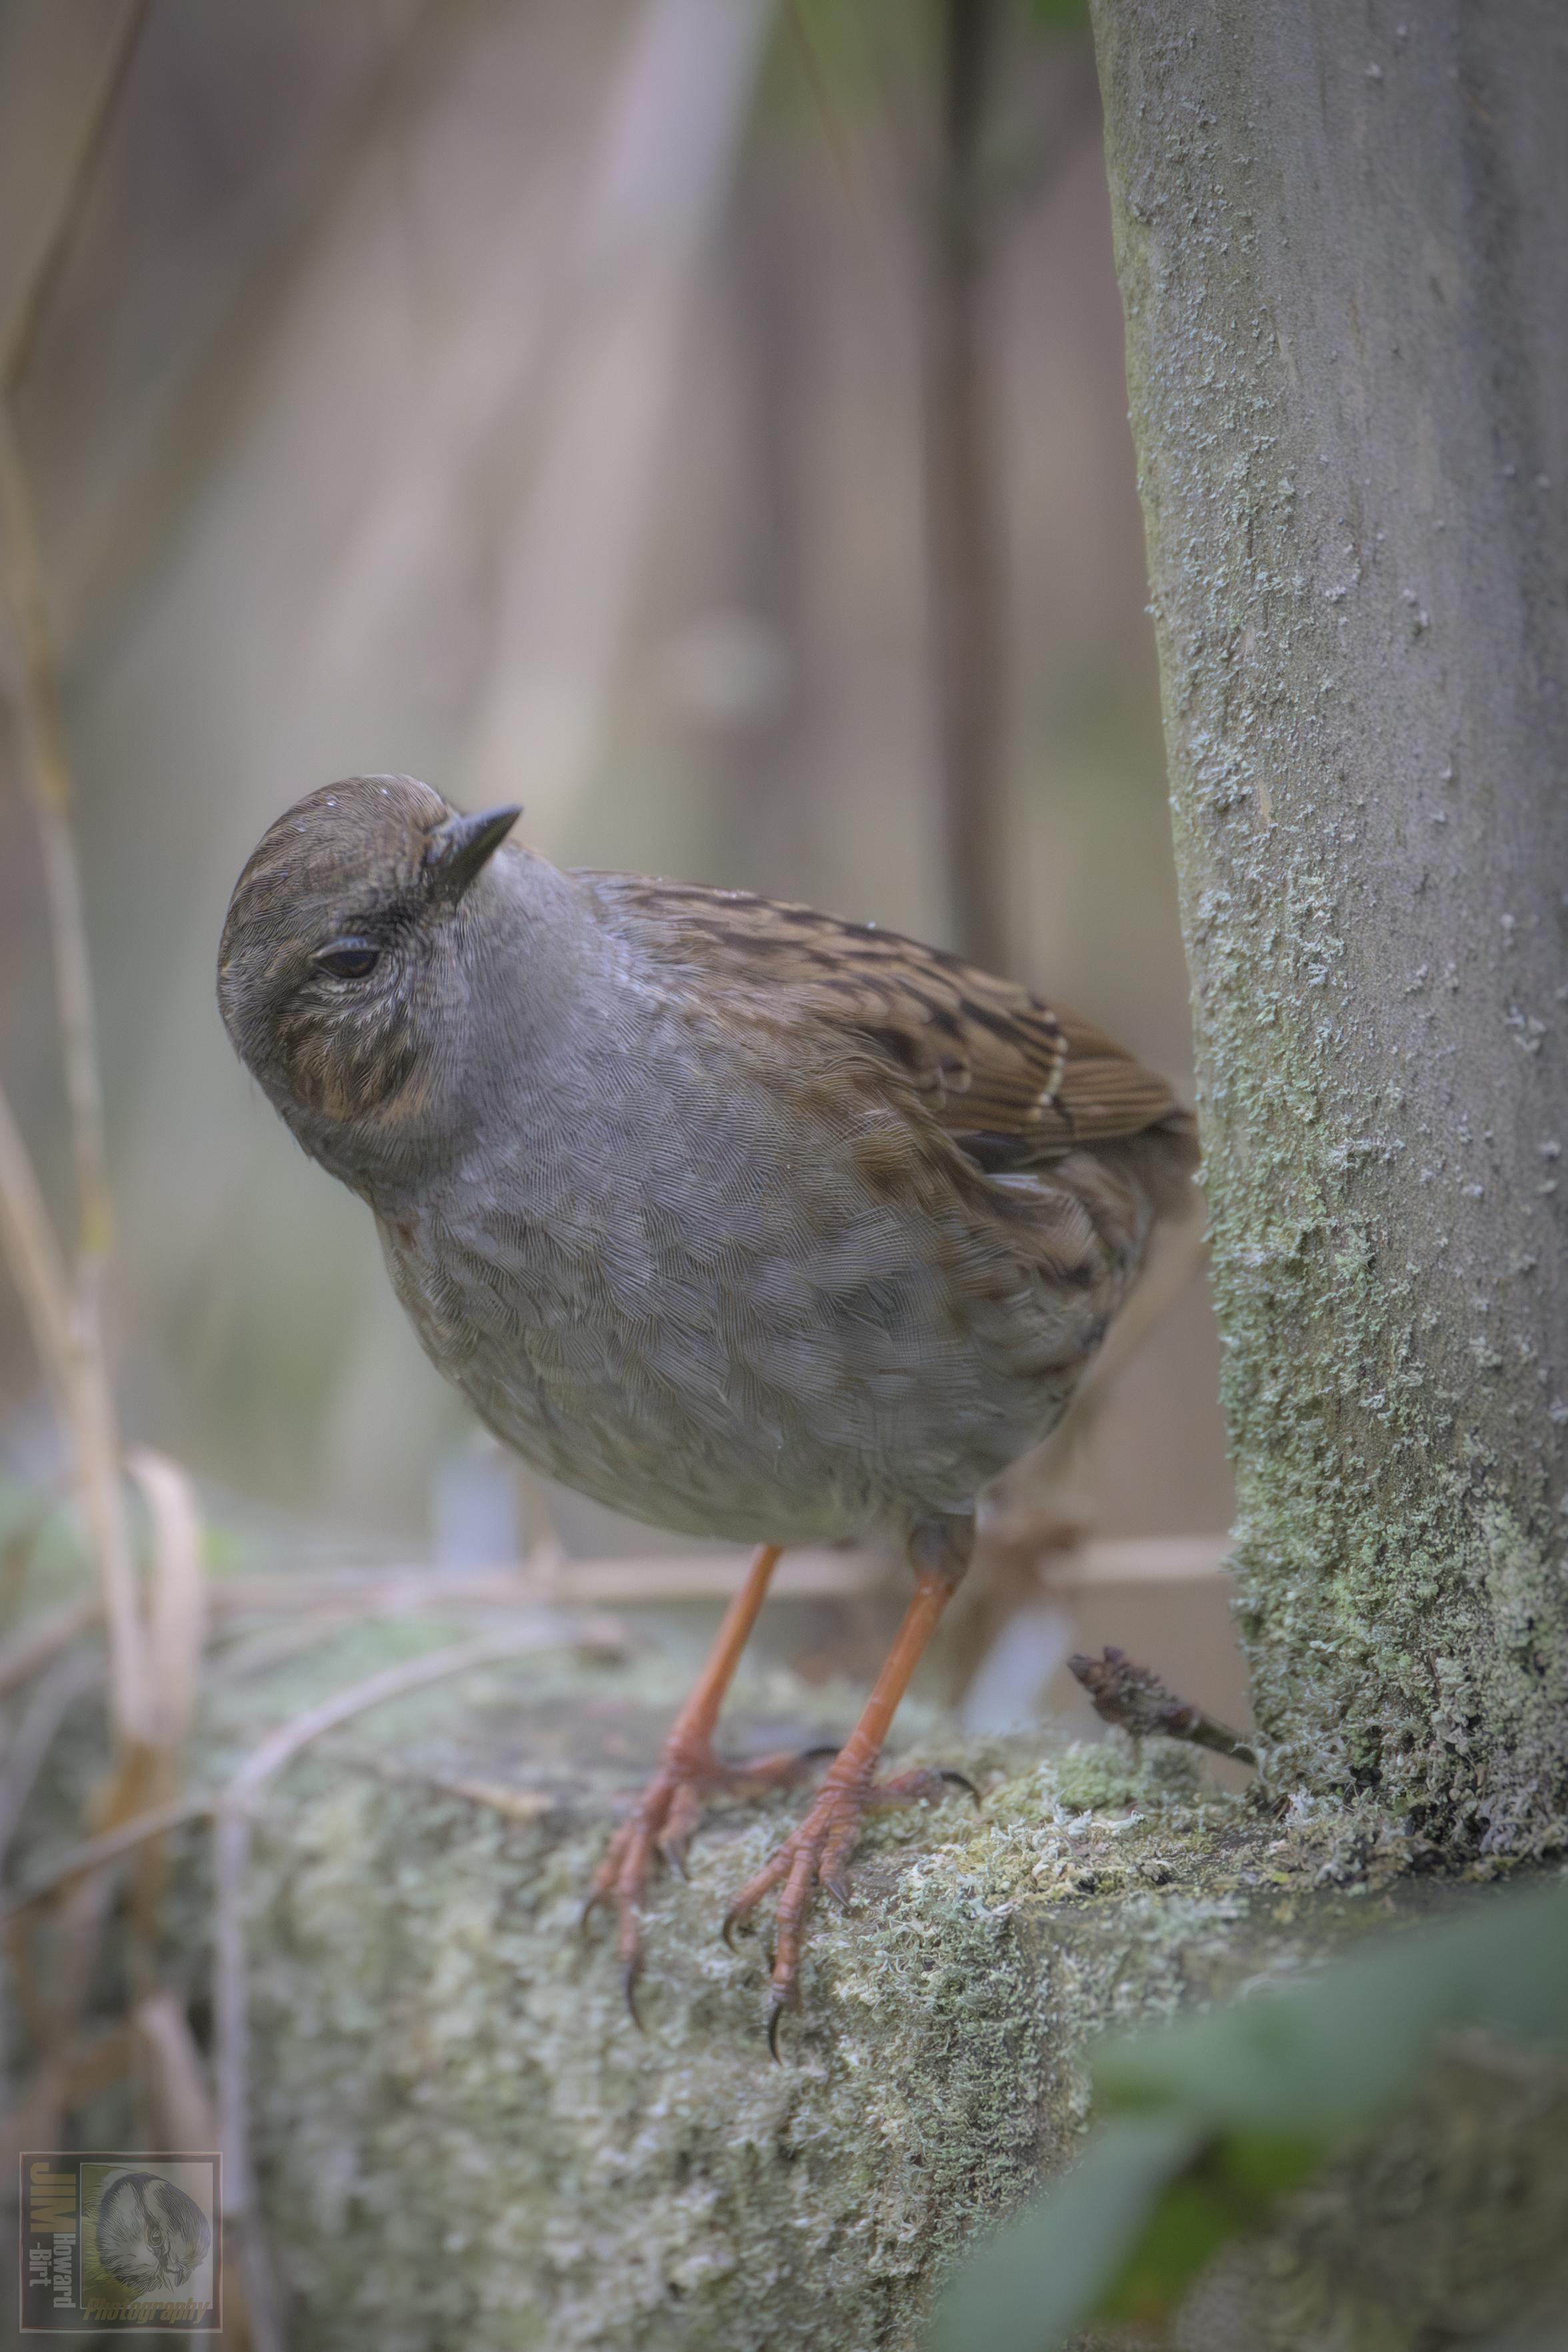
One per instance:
(350, 959)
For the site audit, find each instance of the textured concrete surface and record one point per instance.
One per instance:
(464, 2141)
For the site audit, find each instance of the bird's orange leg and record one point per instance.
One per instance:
(689, 1773)
(815, 1853)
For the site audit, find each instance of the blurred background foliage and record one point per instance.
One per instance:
(565, 403)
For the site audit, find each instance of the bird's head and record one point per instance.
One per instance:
(354, 941)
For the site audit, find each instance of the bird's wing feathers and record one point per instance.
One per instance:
(1014, 1081)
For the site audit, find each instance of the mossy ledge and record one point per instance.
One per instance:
(463, 2141)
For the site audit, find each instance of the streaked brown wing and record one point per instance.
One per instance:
(1015, 1081)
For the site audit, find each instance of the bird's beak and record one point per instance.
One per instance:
(463, 845)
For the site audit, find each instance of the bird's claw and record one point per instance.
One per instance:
(672, 1852)
(585, 1916)
(777, 2005)
(631, 1971)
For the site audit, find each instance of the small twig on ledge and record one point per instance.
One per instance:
(1134, 1699)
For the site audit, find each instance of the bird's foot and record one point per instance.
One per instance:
(815, 1856)
(667, 1817)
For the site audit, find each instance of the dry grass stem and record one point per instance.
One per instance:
(181, 2104)
(231, 1861)
(47, 771)
(183, 2115)
(66, 1308)
(33, 1253)
(71, 1342)
(352, 1595)
(177, 1597)
(91, 1416)
(583, 495)
(20, 330)
(212, 402)
(283, 1745)
(1141, 1559)
(16, 1548)
(175, 1631)
(633, 1582)
(95, 1853)
(95, 1428)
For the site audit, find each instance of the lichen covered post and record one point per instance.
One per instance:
(1339, 233)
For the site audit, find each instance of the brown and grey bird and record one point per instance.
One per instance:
(747, 1221)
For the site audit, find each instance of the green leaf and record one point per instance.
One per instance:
(1227, 2189)
(1052, 2263)
(1215, 2117)
(1325, 2056)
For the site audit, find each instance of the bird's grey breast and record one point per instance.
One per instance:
(673, 1289)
